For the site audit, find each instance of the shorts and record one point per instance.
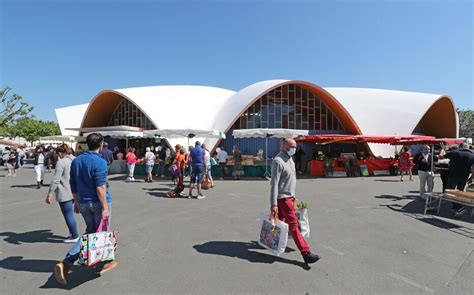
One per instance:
(149, 167)
(198, 173)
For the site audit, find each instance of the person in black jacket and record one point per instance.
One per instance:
(460, 162)
(425, 173)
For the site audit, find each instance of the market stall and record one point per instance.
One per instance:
(265, 133)
(350, 164)
(172, 134)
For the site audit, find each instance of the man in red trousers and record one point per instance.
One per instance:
(282, 196)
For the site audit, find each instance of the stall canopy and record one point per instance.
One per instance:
(106, 128)
(118, 134)
(176, 134)
(444, 141)
(182, 133)
(268, 133)
(61, 138)
(343, 138)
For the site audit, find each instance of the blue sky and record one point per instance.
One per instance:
(60, 53)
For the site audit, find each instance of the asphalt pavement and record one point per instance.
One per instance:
(370, 233)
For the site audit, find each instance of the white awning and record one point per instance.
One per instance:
(118, 134)
(184, 133)
(106, 128)
(268, 132)
(60, 138)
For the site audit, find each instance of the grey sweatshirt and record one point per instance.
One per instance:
(283, 184)
(59, 186)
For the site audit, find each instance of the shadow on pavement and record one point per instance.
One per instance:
(242, 250)
(415, 209)
(37, 236)
(17, 263)
(397, 198)
(78, 275)
(387, 180)
(26, 186)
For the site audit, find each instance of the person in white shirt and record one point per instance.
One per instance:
(222, 159)
(149, 163)
(207, 164)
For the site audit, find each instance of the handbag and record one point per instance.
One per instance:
(99, 246)
(174, 170)
(273, 237)
(206, 182)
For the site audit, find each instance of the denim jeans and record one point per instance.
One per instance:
(197, 175)
(222, 166)
(161, 169)
(92, 214)
(67, 208)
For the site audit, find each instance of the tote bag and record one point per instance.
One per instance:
(99, 246)
(273, 236)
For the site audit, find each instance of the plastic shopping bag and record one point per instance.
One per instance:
(99, 246)
(273, 236)
(303, 222)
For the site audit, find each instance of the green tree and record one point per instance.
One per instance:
(13, 107)
(32, 129)
(466, 122)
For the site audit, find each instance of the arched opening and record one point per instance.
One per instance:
(110, 108)
(439, 120)
(292, 105)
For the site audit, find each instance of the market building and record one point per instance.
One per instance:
(288, 104)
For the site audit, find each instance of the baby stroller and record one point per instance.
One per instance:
(177, 173)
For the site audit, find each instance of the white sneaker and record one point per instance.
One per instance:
(200, 197)
(133, 179)
(71, 240)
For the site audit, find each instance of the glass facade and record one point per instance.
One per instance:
(289, 106)
(128, 114)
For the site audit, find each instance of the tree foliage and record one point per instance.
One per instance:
(13, 107)
(466, 122)
(32, 129)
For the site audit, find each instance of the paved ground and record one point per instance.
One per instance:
(368, 231)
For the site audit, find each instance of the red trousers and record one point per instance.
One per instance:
(286, 213)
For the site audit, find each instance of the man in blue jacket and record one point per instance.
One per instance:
(197, 156)
(91, 198)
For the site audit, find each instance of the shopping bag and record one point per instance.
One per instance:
(303, 222)
(99, 246)
(174, 169)
(273, 236)
(206, 182)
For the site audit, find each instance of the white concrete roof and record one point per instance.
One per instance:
(384, 112)
(240, 101)
(180, 107)
(71, 117)
(375, 111)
